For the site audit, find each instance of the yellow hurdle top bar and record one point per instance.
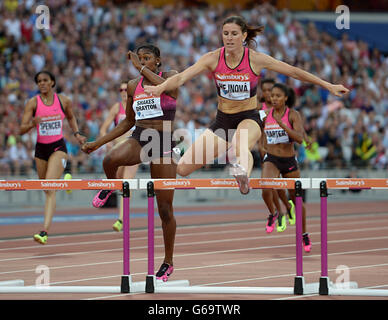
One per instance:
(74, 184)
(220, 183)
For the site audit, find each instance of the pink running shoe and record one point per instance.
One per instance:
(271, 222)
(306, 242)
(164, 272)
(101, 198)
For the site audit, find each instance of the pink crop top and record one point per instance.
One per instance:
(274, 133)
(150, 107)
(239, 83)
(49, 129)
(120, 115)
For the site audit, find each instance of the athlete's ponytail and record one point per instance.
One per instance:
(251, 31)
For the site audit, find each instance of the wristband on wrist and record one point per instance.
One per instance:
(75, 133)
(142, 68)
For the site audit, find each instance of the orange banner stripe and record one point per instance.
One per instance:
(222, 183)
(60, 185)
(356, 183)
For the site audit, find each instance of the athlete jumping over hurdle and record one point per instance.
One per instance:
(154, 118)
(46, 111)
(236, 69)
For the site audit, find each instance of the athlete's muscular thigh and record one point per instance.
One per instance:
(248, 133)
(204, 150)
(56, 165)
(125, 153)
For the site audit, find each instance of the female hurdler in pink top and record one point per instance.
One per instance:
(49, 129)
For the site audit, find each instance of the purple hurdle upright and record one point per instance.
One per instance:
(299, 280)
(150, 284)
(125, 279)
(324, 279)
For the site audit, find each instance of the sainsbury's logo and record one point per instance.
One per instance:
(101, 185)
(176, 183)
(282, 184)
(232, 183)
(236, 77)
(351, 183)
(10, 185)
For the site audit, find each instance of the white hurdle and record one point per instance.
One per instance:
(151, 285)
(158, 184)
(127, 286)
(349, 288)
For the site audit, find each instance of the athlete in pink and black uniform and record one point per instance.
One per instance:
(265, 105)
(116, 115)
(236, 69)
(282, 127)
(265, 99)
(150, 141)
(46, 113)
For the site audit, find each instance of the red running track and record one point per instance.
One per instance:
(213, 249)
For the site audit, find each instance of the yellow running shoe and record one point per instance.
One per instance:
(41, 237)
(68, 176)
(291, 213)
(118, 225)
(281, 224)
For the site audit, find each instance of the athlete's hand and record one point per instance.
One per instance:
(135, 59)
(277, 118)
(89, 147)
(153, 90)
(338, 90)
(81, 139)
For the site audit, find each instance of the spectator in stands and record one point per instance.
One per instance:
(20, 161)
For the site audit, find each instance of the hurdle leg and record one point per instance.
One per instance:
(126, 278)
(324, 281)
(150, 279)
(299, 279)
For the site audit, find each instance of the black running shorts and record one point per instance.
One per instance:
(157, 144)
(45, 150)
(226, 124)
(284, 164)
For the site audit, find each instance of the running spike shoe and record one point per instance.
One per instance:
(164, 272)
(291, 213)
(101, 198)
(68, 176)
(271, 222)
(118, 225)
(240, 174)
(281, 224)
(41, 237)
(306, 242)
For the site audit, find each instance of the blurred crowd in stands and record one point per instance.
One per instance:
(86, 46)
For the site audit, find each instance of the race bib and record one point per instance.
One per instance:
(233, 86)
(277, 136)
(50, 126)
(146, 107)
